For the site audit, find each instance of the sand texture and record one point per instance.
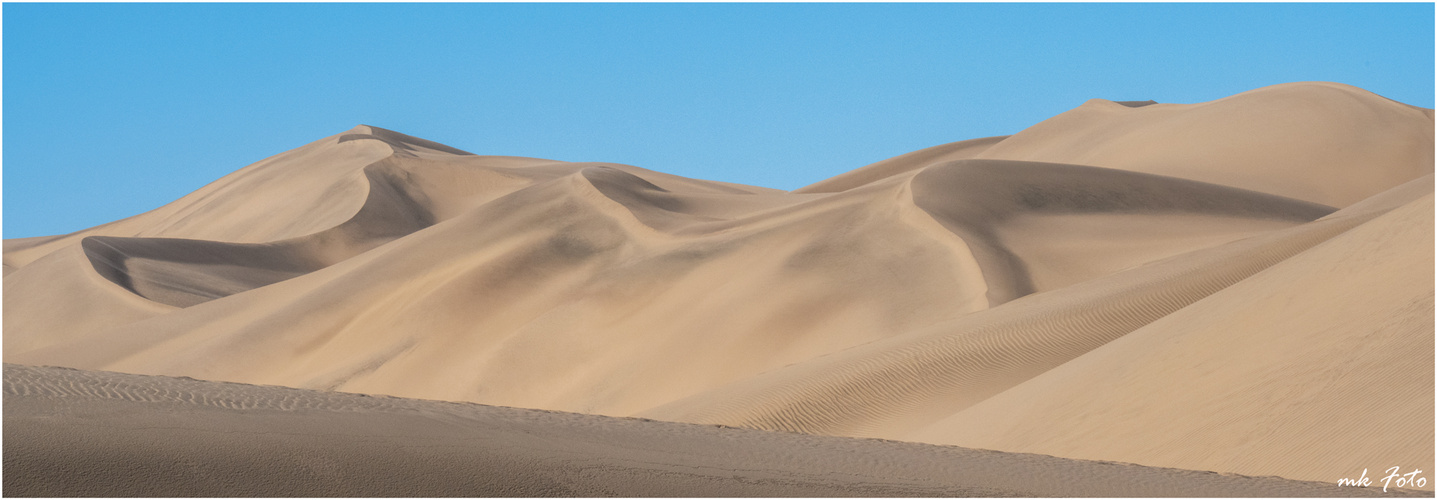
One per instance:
(1242, 286)
(88, 433)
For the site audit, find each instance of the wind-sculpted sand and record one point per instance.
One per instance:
(1238, 286)
(888, 388)
(1341, 317)
(87, 433)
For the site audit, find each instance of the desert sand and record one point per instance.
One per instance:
(1241, 287)
(195, 438)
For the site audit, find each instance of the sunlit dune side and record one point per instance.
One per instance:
(901, 164)
(1235, 286)
(893, 387)
(1322, 142)
(271, 200)
(1316, 368)
(567, 292)
(259, 220)
(59, 298)
(162, 436)
(1327, 333)
(1042, 226)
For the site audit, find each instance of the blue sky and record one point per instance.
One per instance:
(111, 110)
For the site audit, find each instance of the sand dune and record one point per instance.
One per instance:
(1300, 140)
(895, 386)
(1004, 210)
(1187, 278)
(935, 155)
(576, 279)
(1331, 342)
(582, 287)
(163, 436)
(320, 180)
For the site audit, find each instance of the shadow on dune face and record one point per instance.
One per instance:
(1136, 104)
(183, 273)
(976, 198)
(186, 272)
(401, 142)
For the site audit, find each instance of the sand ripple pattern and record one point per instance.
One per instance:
(163, 436)
(78, 385)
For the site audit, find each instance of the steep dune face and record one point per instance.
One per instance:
(185, 272)
(893, 387)
(997, 206)
(1328, 353)
(298, 192)
(282, 217)
(1321, 142)
(969, 293)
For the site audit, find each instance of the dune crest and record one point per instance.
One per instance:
(1322, 142)
(1203, 286)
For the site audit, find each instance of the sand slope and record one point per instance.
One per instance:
(1335, 342)
(593, 280)
(892, 387)
(1300, 140)
(165, 437)
(319, 180)
(935, 155)
(968, 293)
(1318, 340)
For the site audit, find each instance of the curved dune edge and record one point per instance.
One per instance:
(854, 267)
(1006, 378)
(317, 180)
(980, 201)
(167, 436)
(552, 286)
(890, 387)
(901, 164)
(185, 272)
(59, 299)
(314, 188)
(1301, 367)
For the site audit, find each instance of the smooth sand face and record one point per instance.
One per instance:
(1321, 142)
(1029, 293)
(1342, 317)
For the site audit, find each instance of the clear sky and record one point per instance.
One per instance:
(111, 110)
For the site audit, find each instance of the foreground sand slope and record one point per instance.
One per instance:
(160, 436)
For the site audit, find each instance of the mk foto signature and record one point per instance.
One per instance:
(1408, 480)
